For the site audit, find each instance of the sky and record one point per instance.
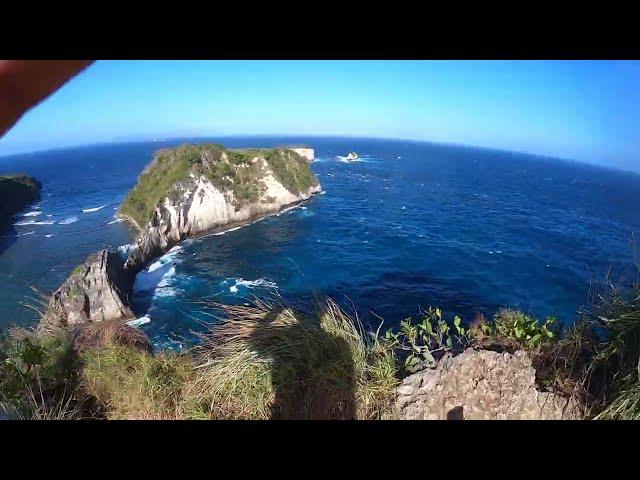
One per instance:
(579, 110)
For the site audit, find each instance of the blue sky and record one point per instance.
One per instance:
(582, 110)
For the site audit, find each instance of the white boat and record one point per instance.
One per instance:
(352, 157)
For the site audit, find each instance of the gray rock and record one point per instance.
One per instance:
(97, 290)
(480, 385)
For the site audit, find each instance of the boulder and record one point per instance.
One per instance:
(480, 385)
(97, 290)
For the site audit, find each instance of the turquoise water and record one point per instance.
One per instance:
(411, 225)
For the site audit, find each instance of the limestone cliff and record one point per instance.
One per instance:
(211, 188)
(96, 290)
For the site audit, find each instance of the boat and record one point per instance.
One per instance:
(352, 157)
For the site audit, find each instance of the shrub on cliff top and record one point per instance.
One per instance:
(37, 375)
(127, 383)
(291, 170)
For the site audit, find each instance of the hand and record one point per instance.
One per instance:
(25, 83)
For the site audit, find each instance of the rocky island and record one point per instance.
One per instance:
(194, 189)
(185, 191)
(16, 193)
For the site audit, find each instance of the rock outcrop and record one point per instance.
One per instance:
(217, 189)
(97, 290)
(305, 152)
(480, 385)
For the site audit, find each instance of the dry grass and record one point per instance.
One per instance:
(126, 383)
(115, 332)
(269, 361)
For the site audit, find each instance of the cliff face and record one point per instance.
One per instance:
(16, 193)
(98, 290)
(305, 152)
(216, 188)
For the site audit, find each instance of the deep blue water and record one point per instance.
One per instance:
(412, 225)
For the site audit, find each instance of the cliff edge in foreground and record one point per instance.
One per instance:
(192, 189)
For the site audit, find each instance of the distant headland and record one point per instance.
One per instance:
(16, 193)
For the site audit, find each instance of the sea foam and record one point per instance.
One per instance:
(95, 209)
(241, 282)
(33, 213)
(33, 222)
(139, 321)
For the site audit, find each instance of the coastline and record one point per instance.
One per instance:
(231, 226)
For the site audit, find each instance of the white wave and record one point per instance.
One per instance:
(241, 282)
(344, 159)
(95, 209)
(139, 321)
(28, 233)
(68, 220)
(166, 259)
(33, 213)
(125, 249)
(117, 220)
(287, 210)
(230, 230)
(158, 276)
(32, 222)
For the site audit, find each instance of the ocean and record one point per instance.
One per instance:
(411, 225)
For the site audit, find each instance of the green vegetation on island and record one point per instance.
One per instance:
(16, 193)
(231, 170)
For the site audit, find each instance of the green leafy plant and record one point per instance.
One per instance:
(522, 328)
(431, 334)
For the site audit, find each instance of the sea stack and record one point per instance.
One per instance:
(194, 189)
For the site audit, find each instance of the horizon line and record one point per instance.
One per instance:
(149, 139)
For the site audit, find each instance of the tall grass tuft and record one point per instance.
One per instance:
(124, 382)
(270, 361)
(37, 375)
